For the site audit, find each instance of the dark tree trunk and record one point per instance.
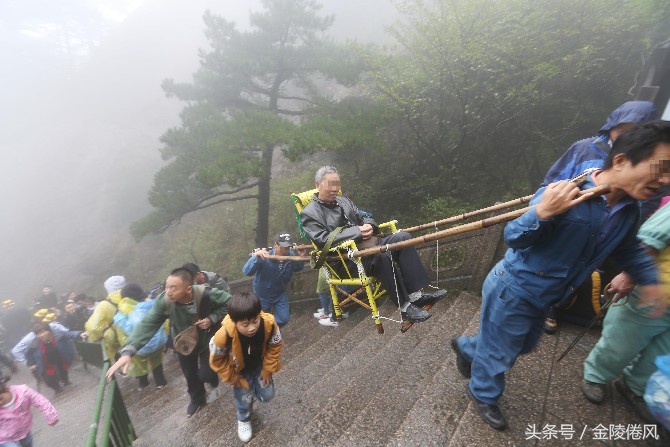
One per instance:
(263, 221)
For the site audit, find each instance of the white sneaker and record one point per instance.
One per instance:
(320, 315)
(213, 395)
(244, 431)
(328, 322)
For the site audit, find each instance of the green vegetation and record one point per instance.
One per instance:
(244, 102)
(470, 107)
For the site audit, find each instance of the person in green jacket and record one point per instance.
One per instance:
(178, 303)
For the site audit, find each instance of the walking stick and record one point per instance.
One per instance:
(610, 300)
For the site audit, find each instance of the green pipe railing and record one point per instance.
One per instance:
(117, 429)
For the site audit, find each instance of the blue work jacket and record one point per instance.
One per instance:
(548, 259)
(582, 155)
(271, 276)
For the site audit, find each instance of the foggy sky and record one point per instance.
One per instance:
(80, 128)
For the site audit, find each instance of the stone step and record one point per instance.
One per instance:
(305, 386)
(302, 372)
(437, 411)
(367, 376)
(351, 386)
(208, 422)
(409, 379)
(311, 387)
(298, 335)
(74, 406)
(523, 402)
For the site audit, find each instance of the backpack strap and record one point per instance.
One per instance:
(199, 293)
(206, 307)
(111, 323)
(324, 251)
(205, 299)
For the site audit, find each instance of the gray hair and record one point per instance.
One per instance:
(323, 170)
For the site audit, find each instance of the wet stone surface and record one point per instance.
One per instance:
(349, 386)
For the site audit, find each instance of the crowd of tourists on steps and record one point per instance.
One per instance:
(604, 200)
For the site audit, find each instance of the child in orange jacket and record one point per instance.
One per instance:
(246, 352)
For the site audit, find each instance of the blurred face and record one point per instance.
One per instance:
(328, 187)
(45, 336)
(642, 181)
(5, 395)
(281, 251)
(46, 291)
(200, 278)
(177, 290)
(248, 328)
(618, 130)
(70, 308)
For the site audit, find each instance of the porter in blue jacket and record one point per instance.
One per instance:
(552, 248)
(271, 277)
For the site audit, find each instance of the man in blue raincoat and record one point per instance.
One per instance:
(592, 152)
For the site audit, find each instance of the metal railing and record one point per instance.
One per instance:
(116, 428)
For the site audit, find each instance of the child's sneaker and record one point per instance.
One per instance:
(213, 395)
(328, 322)
(320, 315)
(244, 430)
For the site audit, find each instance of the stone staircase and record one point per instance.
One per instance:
(349, 386)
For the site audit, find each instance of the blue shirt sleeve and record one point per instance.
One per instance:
(252, 266)
(526, 229)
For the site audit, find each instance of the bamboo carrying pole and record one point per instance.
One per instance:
(289, 258)
(464, 216)
(497, 207)
(597, 191)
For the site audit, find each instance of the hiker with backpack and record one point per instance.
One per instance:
(195, 312)
(99, 324)
(149, 359)
(630, 340)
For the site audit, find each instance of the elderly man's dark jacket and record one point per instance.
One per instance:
(319, 219)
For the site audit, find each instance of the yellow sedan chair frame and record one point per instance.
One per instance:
(337, 256)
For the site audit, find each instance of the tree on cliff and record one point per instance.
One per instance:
(247, 100)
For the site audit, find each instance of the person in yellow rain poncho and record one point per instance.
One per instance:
(132, 308)
(99, 325)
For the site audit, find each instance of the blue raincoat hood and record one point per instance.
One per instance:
(630, 112)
